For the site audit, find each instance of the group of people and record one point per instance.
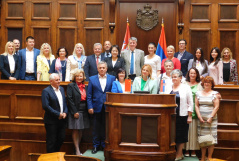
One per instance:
(190, 78)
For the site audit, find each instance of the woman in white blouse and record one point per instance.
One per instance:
(200, 63)
(184, 110)
(44, 60)
(75, 61)
(9, 63)
(153, 60)
(216, 66)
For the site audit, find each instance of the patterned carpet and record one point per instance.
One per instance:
(100, 155)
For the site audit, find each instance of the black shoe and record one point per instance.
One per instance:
(94, 150)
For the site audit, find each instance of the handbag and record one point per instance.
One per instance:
(206, 140)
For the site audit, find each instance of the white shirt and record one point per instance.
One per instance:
(59, 97)
(102, 82)
(155, 63)
(114, 62)
(130, 60)
(123, 87)
(199, 67)
(11, 63)
(29, 61)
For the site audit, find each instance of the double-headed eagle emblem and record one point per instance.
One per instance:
(147, 18)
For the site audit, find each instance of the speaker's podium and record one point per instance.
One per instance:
(140, 127)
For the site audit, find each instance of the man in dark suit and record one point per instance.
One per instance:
(91, 62)
(28, 60)
(183, 56)
(96, 96)
(107, 46)
(54, 104)
(17, 46)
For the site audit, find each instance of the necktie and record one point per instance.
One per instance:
(132, 63)
(97, 60)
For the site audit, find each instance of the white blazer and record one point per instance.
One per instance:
(186, 98)
(71, 67)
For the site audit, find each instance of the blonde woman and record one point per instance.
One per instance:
(145, 82)
(9, 63)
(78, 117)
(75, 61)
(229, 66)
(44, 61)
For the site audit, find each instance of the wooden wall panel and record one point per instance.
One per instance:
(5, 105)
(67, 11)
(14, 33)
(228, 12)
(67, 38)
(42, 34)
(200, 38)
(201, 12)
(57, 22)
(27, 111)
(15, 10)
(94, 11)
(228, 35)
(92, 35)
(41, 11)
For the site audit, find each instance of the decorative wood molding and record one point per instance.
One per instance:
(112, 15)
(180, 15)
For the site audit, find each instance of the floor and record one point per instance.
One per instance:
(100, 155)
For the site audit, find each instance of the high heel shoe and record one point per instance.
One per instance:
(180, 158)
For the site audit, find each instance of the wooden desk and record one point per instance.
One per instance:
(140, 127)
(5, 153)
(228, 123)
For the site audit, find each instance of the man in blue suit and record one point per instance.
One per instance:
(28, 60)
(96, 96)
(90, 67)
(54, 104)
(183, 56)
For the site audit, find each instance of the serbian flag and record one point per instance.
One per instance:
(162, 47)
(126, 37)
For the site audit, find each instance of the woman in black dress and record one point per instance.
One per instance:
(78, 113)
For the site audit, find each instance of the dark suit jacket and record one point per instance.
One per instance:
(74, 98)
(95, 96)
(51, 105)
(90, 67)
(184, 61)
(22, 58)
(5, 68)
(113, 70)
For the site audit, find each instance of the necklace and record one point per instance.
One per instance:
(63, 64)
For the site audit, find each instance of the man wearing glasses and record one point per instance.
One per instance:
(183, 56)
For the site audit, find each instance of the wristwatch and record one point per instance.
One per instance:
(211, 116)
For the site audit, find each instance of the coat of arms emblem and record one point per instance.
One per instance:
(147, 18)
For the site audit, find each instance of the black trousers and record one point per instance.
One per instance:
(99, 129)
(55, 135)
